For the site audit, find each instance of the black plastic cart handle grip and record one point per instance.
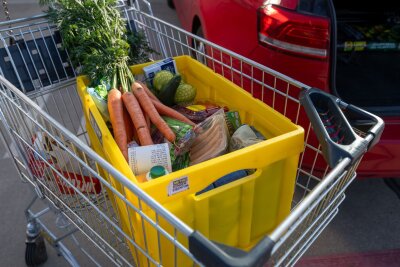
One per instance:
(212, 254)
(333, 121)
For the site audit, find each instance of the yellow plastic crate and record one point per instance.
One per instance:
(236, 214)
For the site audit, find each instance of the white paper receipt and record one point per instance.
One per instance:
(178, 185)
(142, 158)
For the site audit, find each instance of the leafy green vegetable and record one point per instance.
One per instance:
(139, 49)
(102, 88)
(95, 36)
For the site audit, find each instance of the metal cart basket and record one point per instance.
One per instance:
(44, 131)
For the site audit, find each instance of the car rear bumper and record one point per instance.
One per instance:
(384, 159)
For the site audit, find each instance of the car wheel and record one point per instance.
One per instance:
(199, 47)
(170, 3)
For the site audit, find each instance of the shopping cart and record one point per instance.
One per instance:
(44, 131)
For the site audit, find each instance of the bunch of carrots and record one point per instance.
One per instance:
(96, 37)
(131, 115)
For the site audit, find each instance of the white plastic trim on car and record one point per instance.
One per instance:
(292, 47)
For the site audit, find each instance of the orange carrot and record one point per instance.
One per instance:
(116, 110)
(165, 110)
(148, 107)
(135, 134)
(149, 92)
(169, 112)
(128, 125)
(133, 107)
(148, 122)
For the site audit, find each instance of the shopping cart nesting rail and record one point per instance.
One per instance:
(39, 101)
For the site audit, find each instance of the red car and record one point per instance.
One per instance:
(348, 48)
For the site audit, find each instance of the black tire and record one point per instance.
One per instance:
(199, 47)
(393, 184)
(170, 3)
(35, 252)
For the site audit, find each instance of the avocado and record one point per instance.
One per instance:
(167, 92)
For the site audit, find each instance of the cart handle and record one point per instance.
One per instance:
(215, 254)
(334, 122)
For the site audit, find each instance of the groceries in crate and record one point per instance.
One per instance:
(233, 121)
(143, 158)
(155, 172)
(199, 112)
(102, 44)
(171, 89)
(211, 139)
(151, 70)
(55, 160)
(159, 123)
(244, 136)
(99, 95)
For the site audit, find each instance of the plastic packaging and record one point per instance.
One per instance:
(179, 149)
(55, 159)
(99, 95)
(199, 112)
(211, 138)
(232, 121)
(184, 135)
(244, 136)
(100, 103)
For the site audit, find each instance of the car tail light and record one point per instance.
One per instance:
(288, 30)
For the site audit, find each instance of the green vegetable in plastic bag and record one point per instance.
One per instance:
(180, 148)
(99, 95)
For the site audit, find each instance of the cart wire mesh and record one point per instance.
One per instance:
(44, 130)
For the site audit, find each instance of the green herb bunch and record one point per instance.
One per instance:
(95, 35)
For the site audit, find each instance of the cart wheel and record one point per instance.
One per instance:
(35, 252)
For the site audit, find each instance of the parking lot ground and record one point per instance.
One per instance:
(387, 258)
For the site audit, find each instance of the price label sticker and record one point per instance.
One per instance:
(178, 185)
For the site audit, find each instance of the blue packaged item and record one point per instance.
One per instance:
(208, 188)
(230, 178)
(233, 176)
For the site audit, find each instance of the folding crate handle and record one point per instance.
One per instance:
(333, 121)
(214, 254)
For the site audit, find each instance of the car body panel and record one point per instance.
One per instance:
(233, 25)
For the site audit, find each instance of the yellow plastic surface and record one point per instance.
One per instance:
(236, 214)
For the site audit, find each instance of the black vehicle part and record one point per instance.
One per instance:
(199, 48)
(393, 184)
(170, 3)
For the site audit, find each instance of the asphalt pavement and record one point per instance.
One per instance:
(368, 221)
